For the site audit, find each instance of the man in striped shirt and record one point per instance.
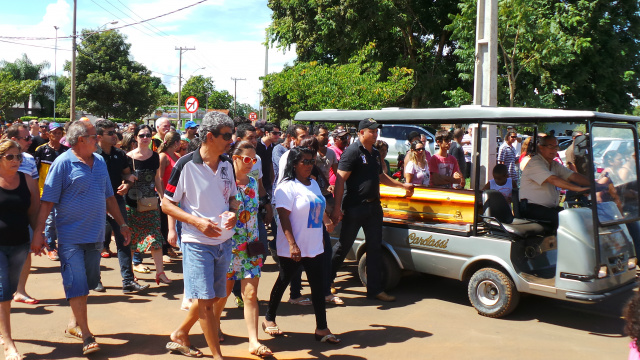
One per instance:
(507, 155)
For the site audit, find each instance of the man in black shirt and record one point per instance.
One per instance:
(119, 170)
(264, 149)
(39, 135)
(360, 169)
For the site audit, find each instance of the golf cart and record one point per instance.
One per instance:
(474, 236)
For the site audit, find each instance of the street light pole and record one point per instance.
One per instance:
(55, 74)
(182, 50)
(72, 107)
(235, 97)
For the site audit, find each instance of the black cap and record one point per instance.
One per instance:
(368, 124)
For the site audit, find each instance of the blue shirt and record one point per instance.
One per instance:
(28, 165)
(79, 194)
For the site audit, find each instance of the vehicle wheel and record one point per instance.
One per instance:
(390, 271)
(493, 293)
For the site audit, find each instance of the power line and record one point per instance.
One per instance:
(100, 31)
(38, 46)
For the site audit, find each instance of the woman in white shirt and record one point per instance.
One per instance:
(416, 167)
(300, 207)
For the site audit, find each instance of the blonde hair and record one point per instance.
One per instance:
(8, 144)
(412, 155)
(170, 138)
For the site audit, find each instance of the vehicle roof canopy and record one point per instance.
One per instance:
(463, 115)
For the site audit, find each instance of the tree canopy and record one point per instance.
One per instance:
(109, 82)
(14, 91)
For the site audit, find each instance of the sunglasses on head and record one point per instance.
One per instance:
(246, 159)
(308, 161)
(10, 157)
(225, 136)
(144, 136)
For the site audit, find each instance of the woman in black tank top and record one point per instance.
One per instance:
(19, 203)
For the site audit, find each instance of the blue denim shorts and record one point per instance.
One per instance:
(205, 269)
(80, 267)
(11, 260)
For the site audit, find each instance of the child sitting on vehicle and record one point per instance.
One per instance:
(501, 182)
(632, 326)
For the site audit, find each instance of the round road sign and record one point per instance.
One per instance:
(253, 116)
(191, 104)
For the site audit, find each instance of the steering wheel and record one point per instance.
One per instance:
(577, 199)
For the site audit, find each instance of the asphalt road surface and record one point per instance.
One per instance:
(432, 319)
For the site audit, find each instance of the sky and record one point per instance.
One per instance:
(228, 36)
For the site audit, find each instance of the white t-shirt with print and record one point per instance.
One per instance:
(256, 169)
(307, 206)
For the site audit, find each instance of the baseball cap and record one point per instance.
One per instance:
(54, 125)
(368, 124)
(190, 124)
(340, 133)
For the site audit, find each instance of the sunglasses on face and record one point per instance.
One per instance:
(246, 159)
(343, 138)
(26, 138)
(43, 126)
(513, 137)
(10, 157)
(225, 136)
(308, 161)
(419, 149)
(142, 136)
(276, 133)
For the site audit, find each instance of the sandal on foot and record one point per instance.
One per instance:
(74, 333)
(89, 346)
(142, 269)
(13, 356)
(190, 351)
(162, 278)
(334, 299)
(27, 300)
(262, 351)
(272, 330)
(329, 339)
(300, 301)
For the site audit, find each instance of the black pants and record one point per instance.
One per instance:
(539, 212)
(367, 216)
(124, 252)
(315, 274)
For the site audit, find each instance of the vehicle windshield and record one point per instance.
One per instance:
(615, 170)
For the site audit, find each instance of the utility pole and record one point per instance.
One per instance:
(266, 71)
(182, 51)
(235, 97)
(55, 74)
(72, 105)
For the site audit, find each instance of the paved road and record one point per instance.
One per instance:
(431, 320)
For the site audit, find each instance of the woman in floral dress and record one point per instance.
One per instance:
(242, 267)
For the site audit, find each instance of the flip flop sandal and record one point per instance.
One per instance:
(329, 339)
(144, 270)
(262, 351)
(190, 351)
(334, 299)
(90, 346)
(272, 330)
(300, 301)
(74, 333)
(27, 300)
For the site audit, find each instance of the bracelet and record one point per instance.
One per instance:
(123, 225)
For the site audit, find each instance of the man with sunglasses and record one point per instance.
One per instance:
(264, 149)
(541, 179)
(203, 184)
(360, 174)
(120, 179)
(507, 155)
(39, 135)
(45, 156)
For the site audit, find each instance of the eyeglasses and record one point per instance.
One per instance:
(419, 149)
(109, 133)
(246, 159)
(308, 161)
(513, 137)
(26, 138)
(10, 157)
(142, 136)
(276, 133)
(554, 147)
(225, 136)
(43, 126)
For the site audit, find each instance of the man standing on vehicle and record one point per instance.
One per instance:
(361, 171)
(541, 179)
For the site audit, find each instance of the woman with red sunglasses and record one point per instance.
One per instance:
(244, 267)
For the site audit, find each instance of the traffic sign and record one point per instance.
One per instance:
(191, 104)
(253, 116)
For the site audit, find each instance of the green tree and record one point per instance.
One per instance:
(409, 34)
(14, 91)
(242, 109)
(220, 100)
(109, 82)
(198, 86)
(354, 86)
(25, 69)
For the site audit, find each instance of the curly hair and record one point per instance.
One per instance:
(632, 316)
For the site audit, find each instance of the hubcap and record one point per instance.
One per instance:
(488, 293)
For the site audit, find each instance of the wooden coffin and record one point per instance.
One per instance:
(428, 205)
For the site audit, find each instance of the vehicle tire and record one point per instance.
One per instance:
(493, 293)
(391, 272)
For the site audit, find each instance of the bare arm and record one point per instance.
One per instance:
(563, 184)
(35, 200)
(341, 177)
(163, 166)
(408, 177)
(285, 223)
(263, 192)
(158, 182)
(579, 179)
(37, 243)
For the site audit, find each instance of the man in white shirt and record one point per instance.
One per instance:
(541, 179)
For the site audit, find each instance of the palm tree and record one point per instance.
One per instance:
(25, 69)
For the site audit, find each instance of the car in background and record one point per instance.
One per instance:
(396, 137)
(602, 145)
